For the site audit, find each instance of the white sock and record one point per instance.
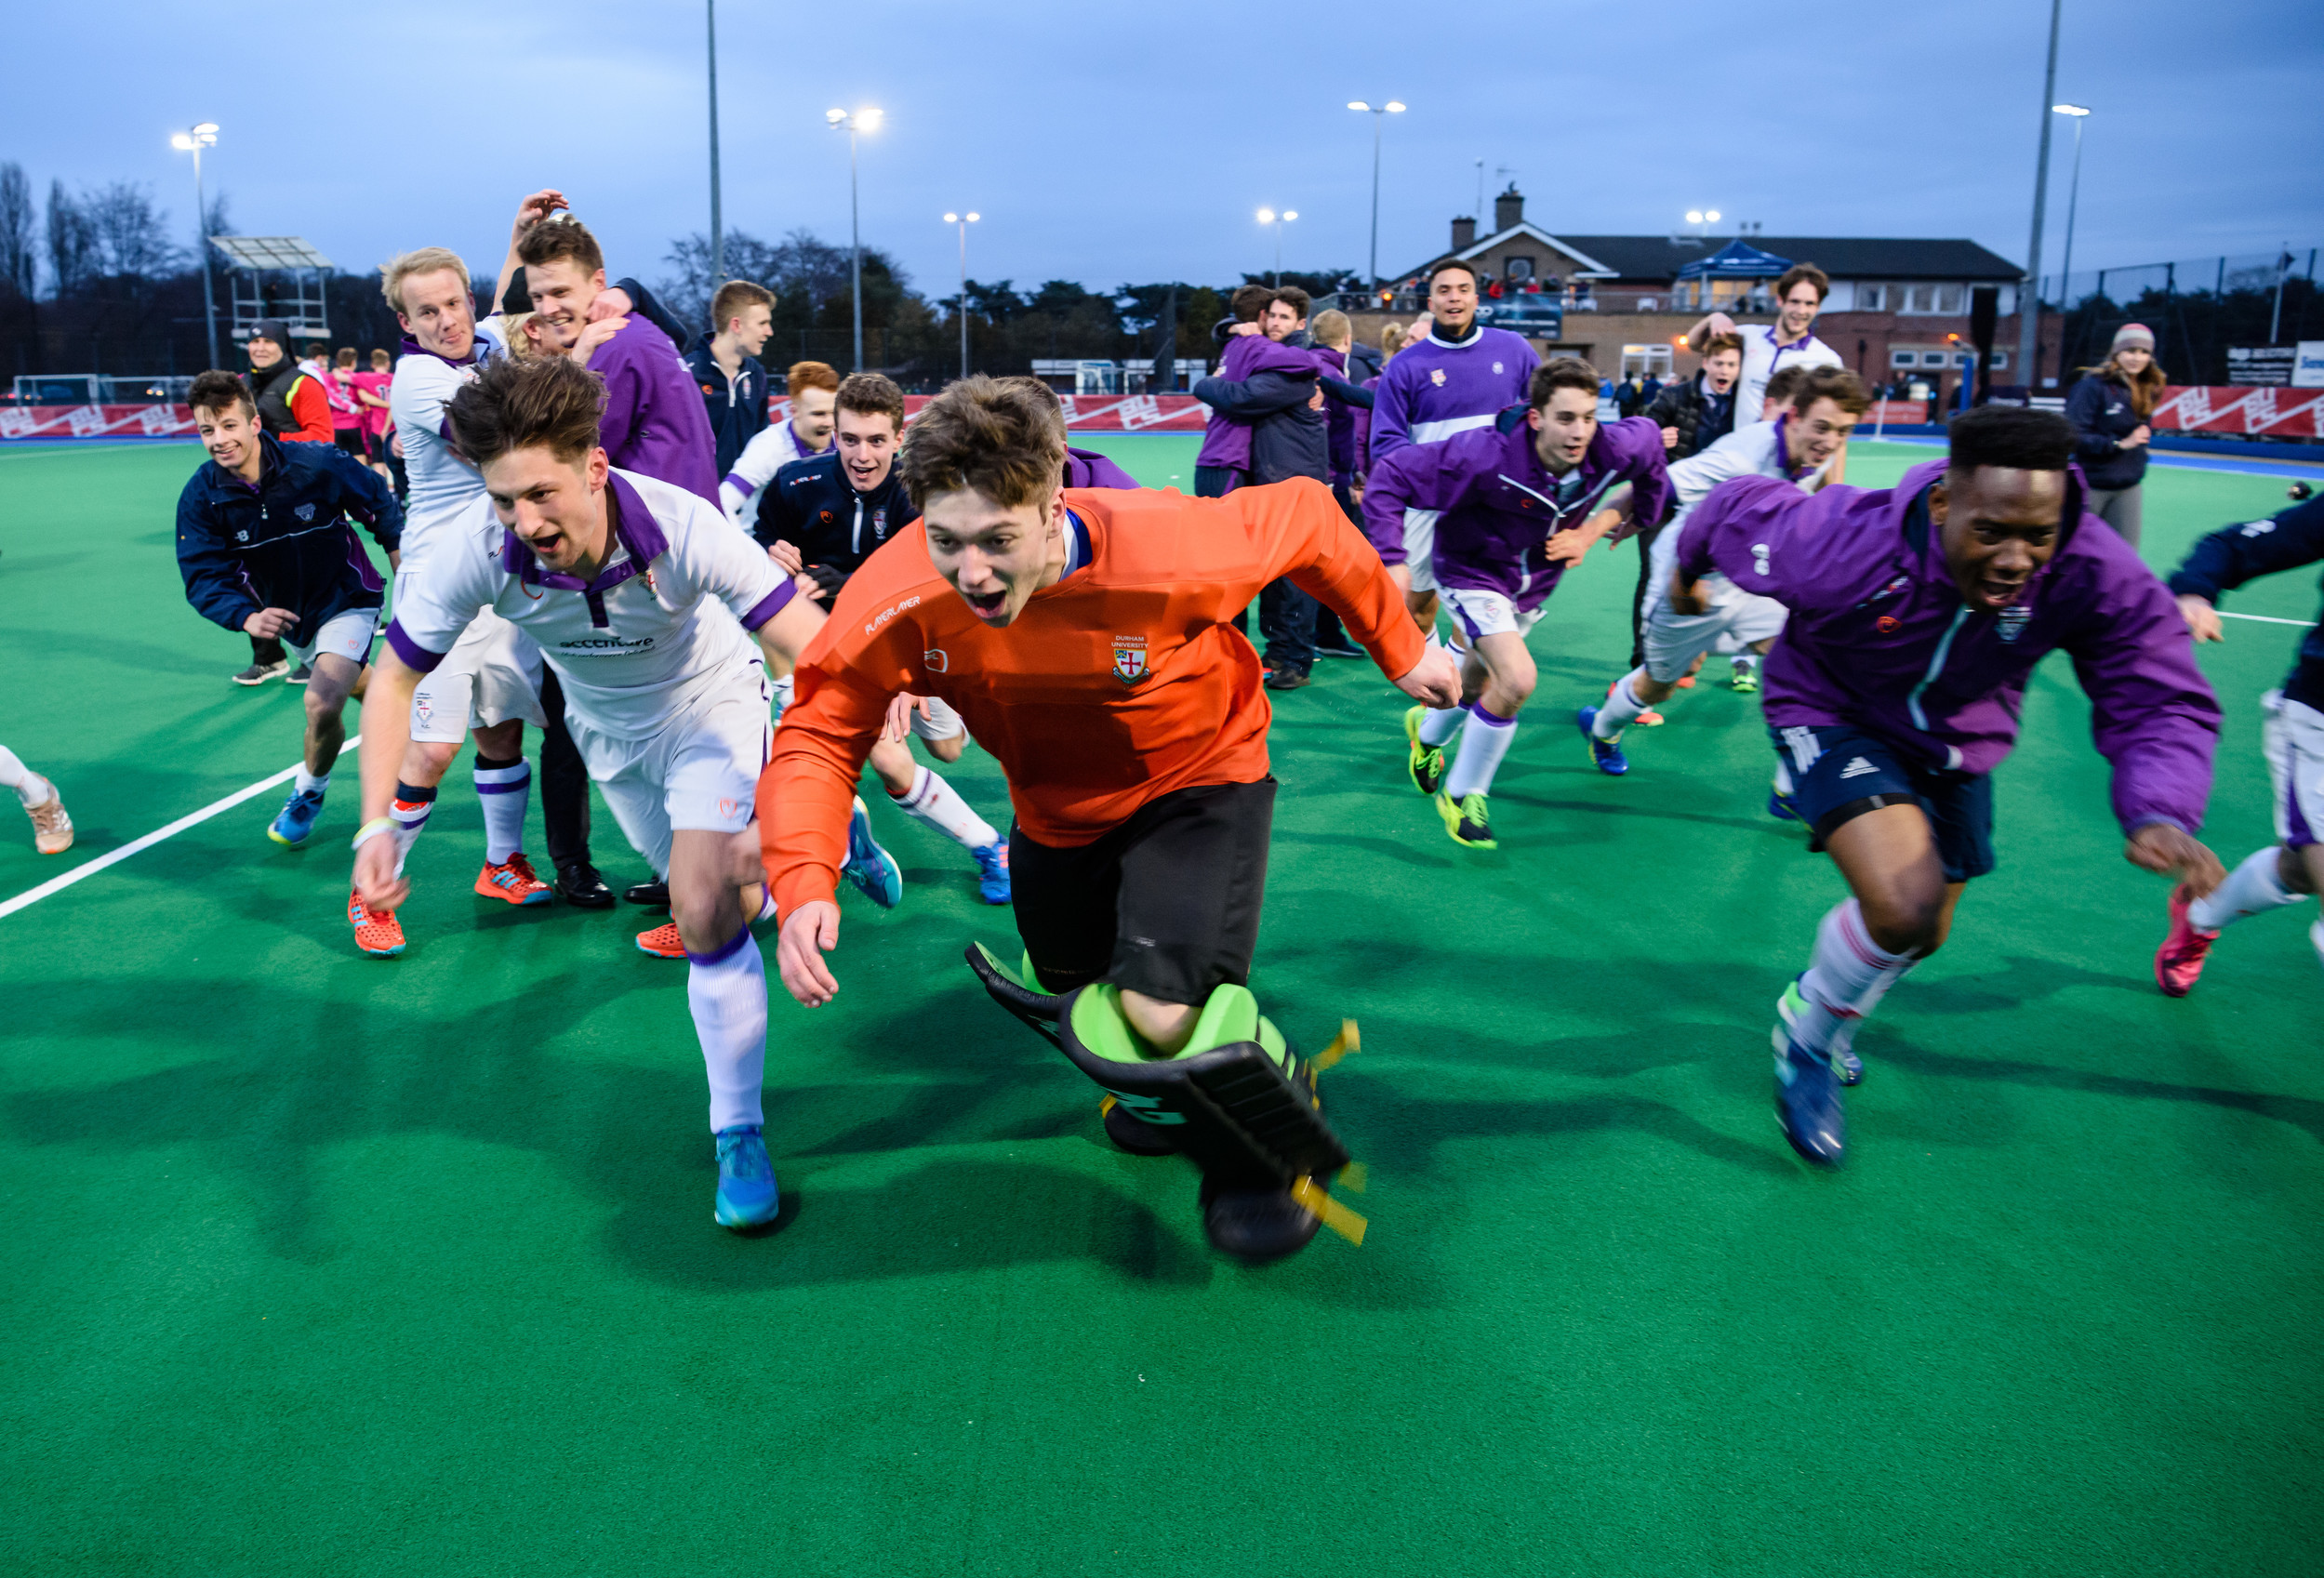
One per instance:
(1621, 708)
(31, 788)
(505, 792)
(1441, 723)
(409, 810)
(783, 695)
(2250, 888)
(1748, 663)
(933, 801)
(726, 990)
(1850, 975)
(1484, 741)
(306, 782)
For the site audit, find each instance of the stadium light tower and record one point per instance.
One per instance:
(2029, 287)
(718, 231)
(2073, 201)
(854, 122)
(1269, 217)
(1379, 113)
(1702, 218)
(963, 220)
(193, 140)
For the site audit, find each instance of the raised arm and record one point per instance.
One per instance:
(1301, 532)
(1262, 394)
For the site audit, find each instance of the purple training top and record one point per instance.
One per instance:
(1500, 504)
(1086, 467)
(654, 420)
(1432, 389)
(1879, 639)
(1228, 442)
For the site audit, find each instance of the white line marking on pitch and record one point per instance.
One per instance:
(90, 867)
(2260, 618)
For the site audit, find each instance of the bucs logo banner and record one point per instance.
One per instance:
(1129, 659)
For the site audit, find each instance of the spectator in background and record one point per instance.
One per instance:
(726, 363)
(1391, 341)
(1694, 413)
(294, 406)
(371, 393)
(1649, 390)
(1629, 395)
(2110, 409)
(339, 388)
(1348, 423)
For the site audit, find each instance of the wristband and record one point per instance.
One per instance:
(372, 829)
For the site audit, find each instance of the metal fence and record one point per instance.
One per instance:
(2199, 309)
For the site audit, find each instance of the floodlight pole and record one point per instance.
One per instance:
(1379, 113)
(2029, 287)
(193, 140)
(718, 231)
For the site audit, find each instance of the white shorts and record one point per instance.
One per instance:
(1420, 547)
(345, 634)
(941, 722)
(491, 675)
(1483, 614)
(699, 774)
(2294, 741)
(1675, 641)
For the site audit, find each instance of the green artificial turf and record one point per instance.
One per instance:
(317, 1264)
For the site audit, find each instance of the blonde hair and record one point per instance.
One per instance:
(425, 261)
(512, 336)
(1391, 341)
(1331, 326)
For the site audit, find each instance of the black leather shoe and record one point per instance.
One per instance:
(579, 885)
(653, 896)
(1285, 677)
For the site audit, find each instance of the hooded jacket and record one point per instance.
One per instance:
(1880, 640)
(1500, 504)
(2101, 411)
(291, 402)
(285, 543)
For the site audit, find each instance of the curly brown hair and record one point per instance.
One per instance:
(551, 404)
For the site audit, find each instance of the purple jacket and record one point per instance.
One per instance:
(1432, 390)
(654, 420)
(1500, 504)
(1880, 640)
(1226, 442)
(1086, 467)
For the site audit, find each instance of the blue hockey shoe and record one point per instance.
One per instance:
(294, 823)
(1604, 755)
(747, 1195)
(1790, 1007)
(992, 872)
(1807, 1100)
(872, 868)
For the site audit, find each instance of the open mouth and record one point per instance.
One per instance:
(986, 605)
(1999, 594)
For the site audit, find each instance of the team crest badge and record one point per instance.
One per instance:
(1496, 367)
(879, 523)
(1436, 376)
(2012, 620)
(304, 512)
(1129, 659)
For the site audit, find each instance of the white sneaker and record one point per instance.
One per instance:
(52, 830)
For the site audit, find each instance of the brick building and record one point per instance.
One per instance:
(1618, 301)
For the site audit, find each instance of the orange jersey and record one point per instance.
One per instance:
(1119, 684)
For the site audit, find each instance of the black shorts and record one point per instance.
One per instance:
(1166, 904)
(1835, 771)
(1216, 482)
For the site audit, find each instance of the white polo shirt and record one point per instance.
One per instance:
(1763, 353)
(639, 645)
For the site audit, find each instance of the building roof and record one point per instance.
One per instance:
(1659, 257)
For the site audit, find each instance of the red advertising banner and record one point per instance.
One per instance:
(2278, 413)
(1083, 413)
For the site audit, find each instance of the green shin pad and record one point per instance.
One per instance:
(1240, 1102)
(1011, 989)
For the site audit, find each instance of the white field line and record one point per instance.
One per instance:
(2262, 619)
(90, 867)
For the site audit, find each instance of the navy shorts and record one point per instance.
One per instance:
(1838, 774)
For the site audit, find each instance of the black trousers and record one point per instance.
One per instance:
(564, 780)
(266, 649)
(1166, 904)
(1287, 620)
(1645, 540)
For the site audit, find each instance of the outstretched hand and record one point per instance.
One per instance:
(534, 209)
(809, 932)
(1436, 679)
(2202, 619)
(2171, 851)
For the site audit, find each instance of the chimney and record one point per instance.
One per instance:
(1464, 235)
(1508, 208)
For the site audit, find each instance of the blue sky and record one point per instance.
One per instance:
(1110, 142)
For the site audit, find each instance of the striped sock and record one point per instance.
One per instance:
(933, 801)
(1621, 710)
(505, 788)
(1850, 975)
(410, 811)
